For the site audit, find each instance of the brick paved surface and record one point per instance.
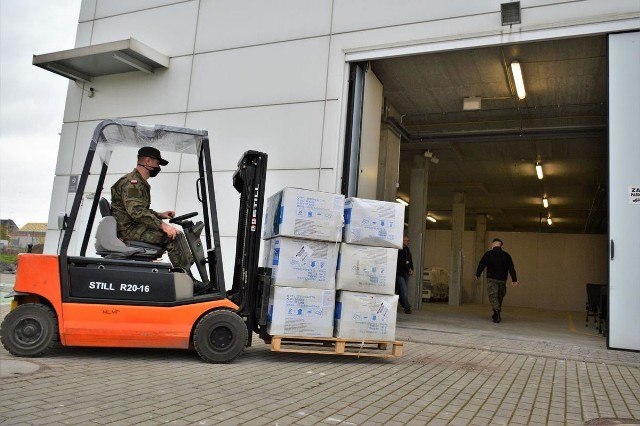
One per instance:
(449, 374)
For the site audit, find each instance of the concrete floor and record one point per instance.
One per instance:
(522, 330)
(517, 323)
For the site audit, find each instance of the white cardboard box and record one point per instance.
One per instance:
(373, 222)
(366, 269)
(365, 316)
(301, 213)
(301, 263)
(301, 312)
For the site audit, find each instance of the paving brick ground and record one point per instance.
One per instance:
(451, 373)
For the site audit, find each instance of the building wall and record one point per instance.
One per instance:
(271, 76)
(552, 269)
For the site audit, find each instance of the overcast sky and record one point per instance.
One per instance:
(31, 103)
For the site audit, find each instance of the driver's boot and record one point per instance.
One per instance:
(181, 257)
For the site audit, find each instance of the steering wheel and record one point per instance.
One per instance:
(183, 217)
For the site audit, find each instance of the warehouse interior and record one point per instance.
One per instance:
(461, 108)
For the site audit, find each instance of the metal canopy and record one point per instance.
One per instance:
(84, 63)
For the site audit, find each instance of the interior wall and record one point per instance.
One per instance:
(552, 269)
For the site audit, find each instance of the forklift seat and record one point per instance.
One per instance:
(109, 246)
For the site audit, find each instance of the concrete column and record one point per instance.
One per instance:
(481, 235)
(457, 232)
(388, 164)
(417, 224)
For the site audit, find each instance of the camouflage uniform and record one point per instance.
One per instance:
(130, 202)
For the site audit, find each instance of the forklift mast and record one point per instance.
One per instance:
(250, 283)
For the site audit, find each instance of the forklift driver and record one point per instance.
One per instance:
(130, 205)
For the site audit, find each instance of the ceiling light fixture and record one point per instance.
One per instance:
(549, 221)
(401, 201)
(539, 170)
(516, 71)
(545, 202)
(431, 218)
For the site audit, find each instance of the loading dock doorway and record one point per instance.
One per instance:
(461, 106)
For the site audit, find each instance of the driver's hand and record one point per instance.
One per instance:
(167, 215)
(169, 230)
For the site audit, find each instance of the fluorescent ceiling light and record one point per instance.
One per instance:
(516, 71)
(545, 202)
(539, 171)
(549, 221)
(431, 218)
(401, 201)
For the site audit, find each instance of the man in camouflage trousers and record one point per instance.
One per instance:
(130, 205)
(498, 264)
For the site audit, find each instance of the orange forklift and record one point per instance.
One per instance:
(123, 296)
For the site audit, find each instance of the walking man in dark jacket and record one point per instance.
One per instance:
(498, 264)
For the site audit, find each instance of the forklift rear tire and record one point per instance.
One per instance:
(29, 330)
(220, 336)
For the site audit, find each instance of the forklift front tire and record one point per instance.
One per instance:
(29, 330)
(220, 336)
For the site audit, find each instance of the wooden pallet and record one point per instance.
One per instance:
(337, 346)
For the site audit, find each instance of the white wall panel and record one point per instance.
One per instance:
(59, 199)
(290, 134)
(164, 189)
(228, 202)
(106, 8)
(278, 179)
(75, 95)
(66, 148)
(169, 30)
(186, 197)
(87, 10)
(328, 181)
(83, 34)
(263, 75)
(228, 247)
(136, 93)
(51, 242)
(350, 15)
(224, 24)
(589, 11)
(331, 135)
(81, 146)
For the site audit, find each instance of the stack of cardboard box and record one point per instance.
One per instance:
(302, 232)
(366, 305)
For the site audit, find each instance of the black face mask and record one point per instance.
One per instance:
(153, 171)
